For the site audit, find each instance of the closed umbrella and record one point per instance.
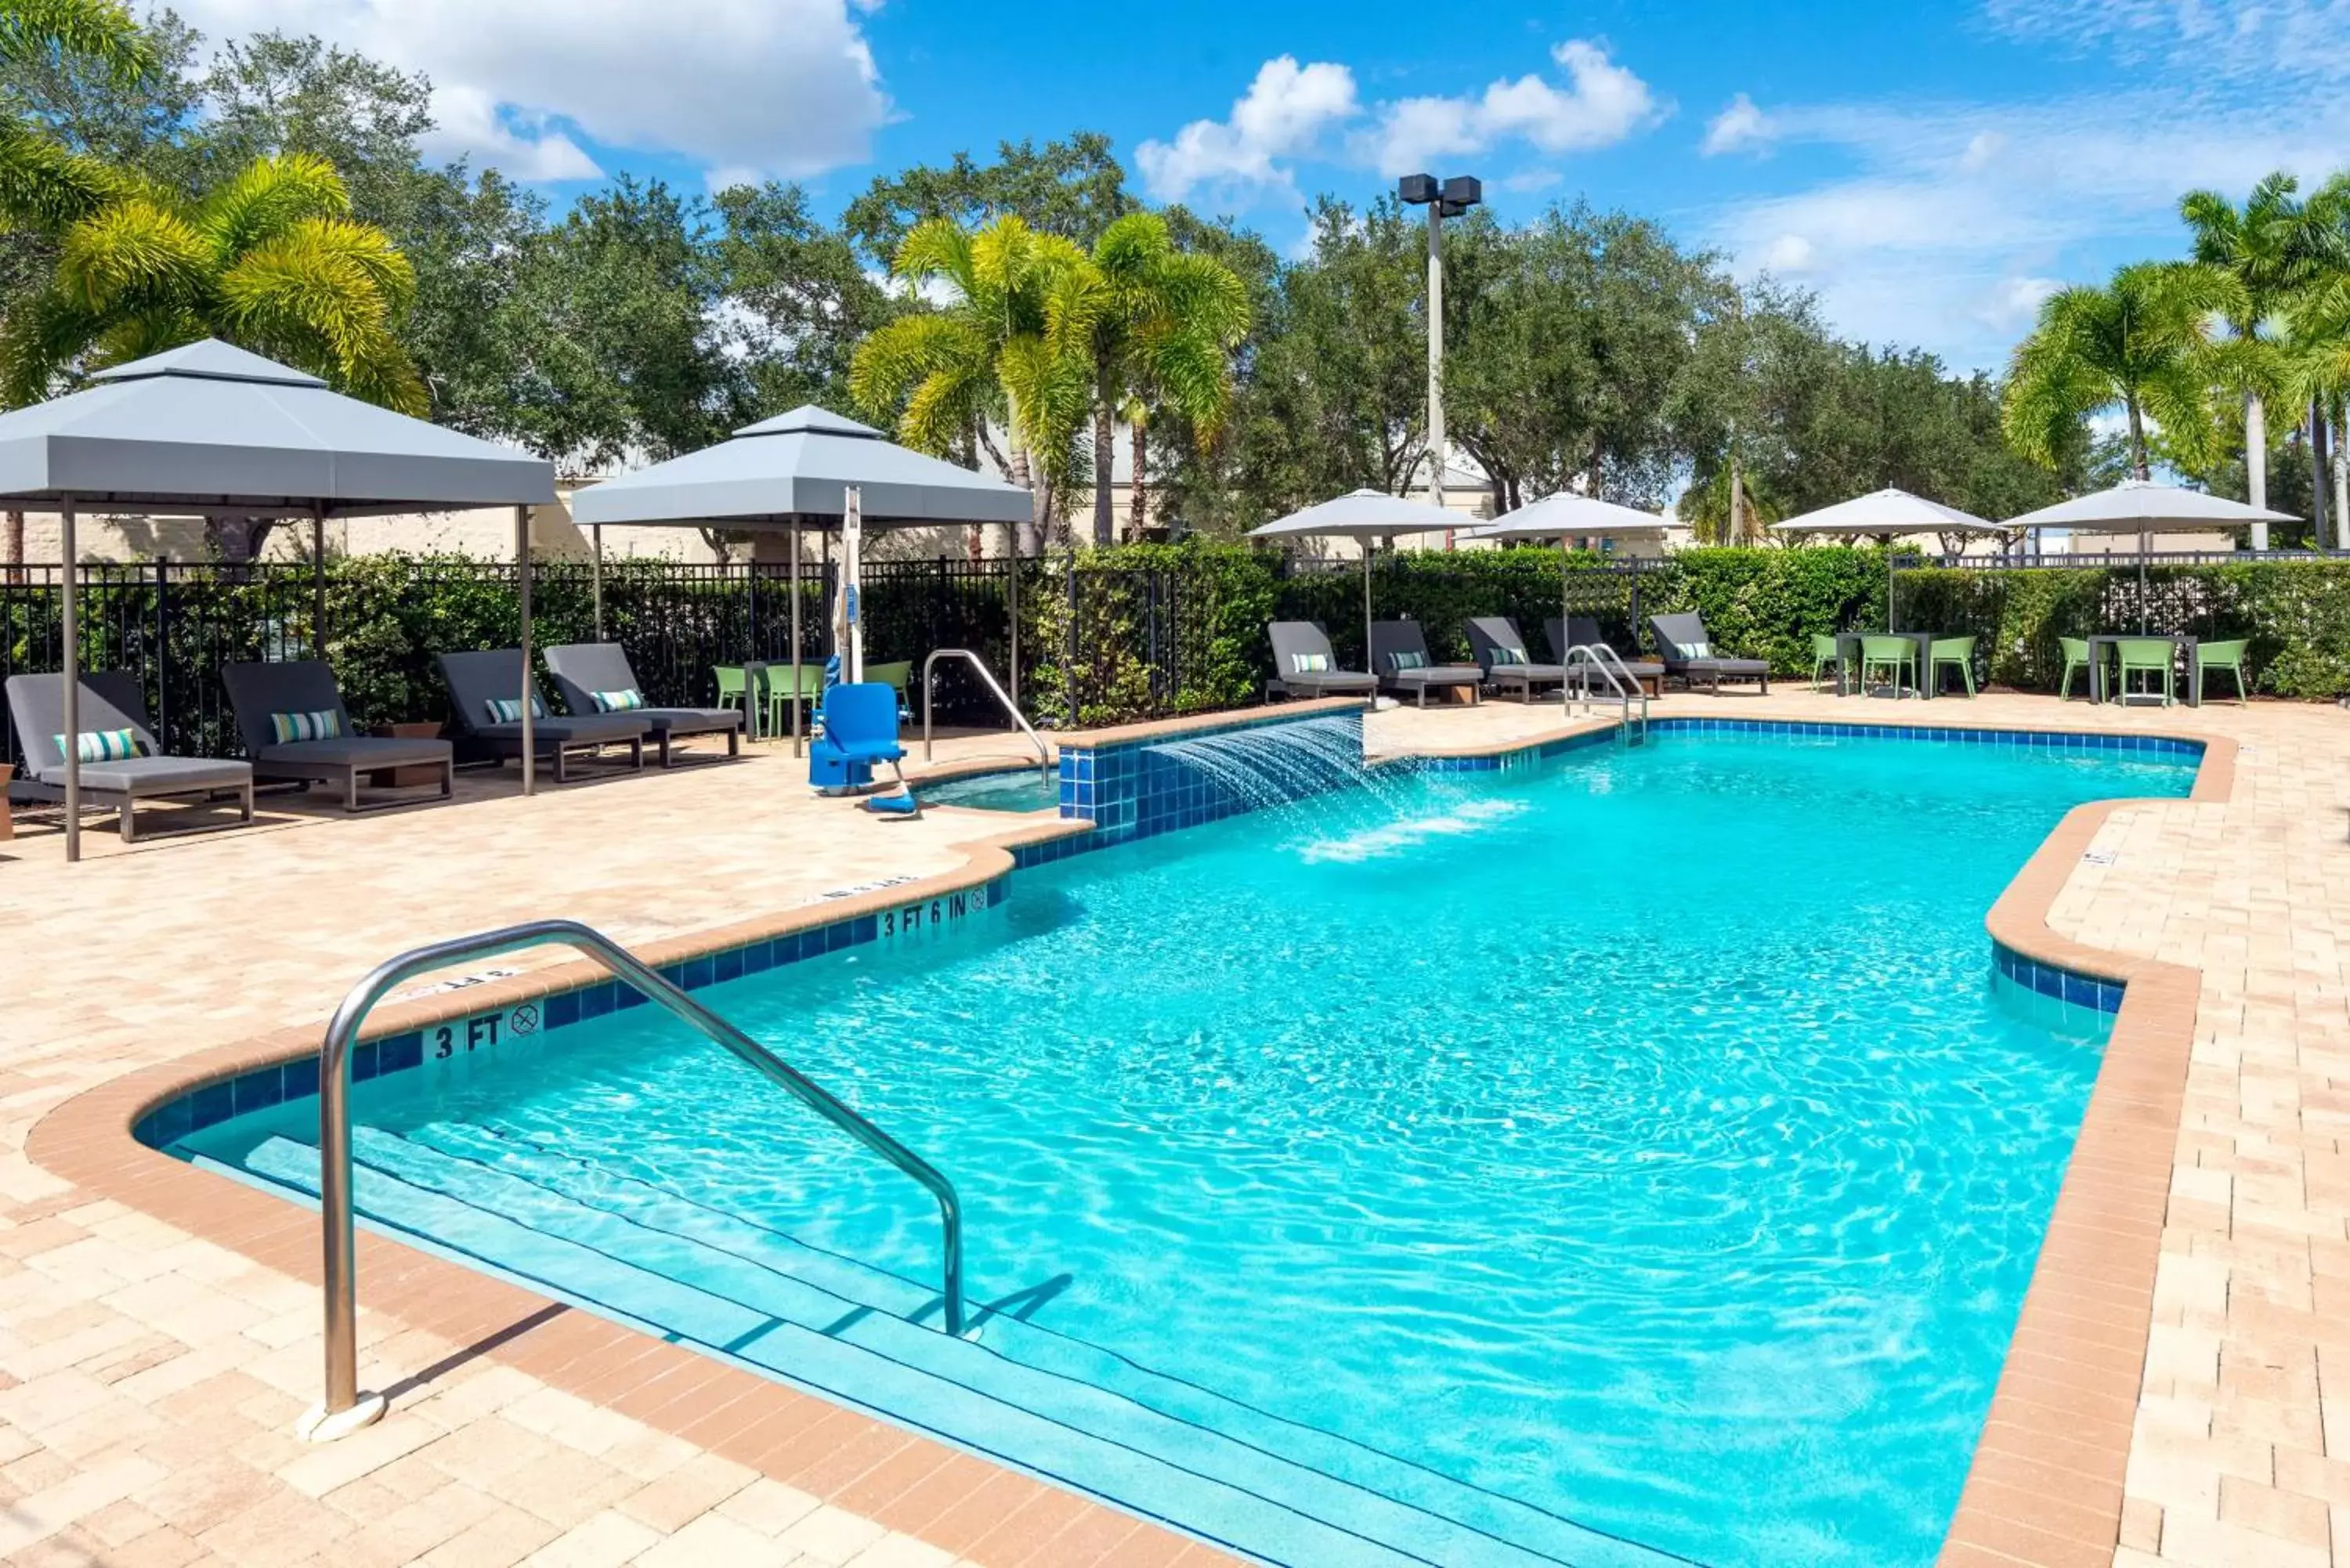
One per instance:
(1366, 515)
(2142, 507)
(1567, 517)
(1888, 513)
(848, 609)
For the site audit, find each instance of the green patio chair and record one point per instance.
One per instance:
(2076, 659)
(1895, 655)
(2227, 656)
(894, 675)
(1948, 651)
(1824, 653)
(730, 684)
(775, 695)
(2145, 656)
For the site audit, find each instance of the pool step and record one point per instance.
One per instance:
(860, 1346)
(1491, 1518)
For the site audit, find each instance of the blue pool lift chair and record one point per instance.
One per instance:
(860, 728)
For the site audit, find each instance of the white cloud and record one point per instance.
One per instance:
(2012, 305)
(2261, 41)
(1738, 128)
(1283, 113)
(1787, 253)
(1601, 103)
(762, 88)
(1985, 146)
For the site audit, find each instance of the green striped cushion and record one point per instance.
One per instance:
(102, 745)
(1311, 663)
(1408, 661)
(617, 701)
(1695, 649)
(1509, 655)
(508, 710)
(323, 724)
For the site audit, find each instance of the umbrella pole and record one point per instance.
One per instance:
(2145, 543)
(72, 678)
(795, 705)
(1369, 546)
(522, 582)
(596, 573)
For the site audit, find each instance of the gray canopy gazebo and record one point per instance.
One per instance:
(211, 430)
(798, 470)
(1366, 517)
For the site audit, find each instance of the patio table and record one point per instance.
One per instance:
(1848, 658)
(2182, 650)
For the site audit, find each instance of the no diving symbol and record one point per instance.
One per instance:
(523, 1020)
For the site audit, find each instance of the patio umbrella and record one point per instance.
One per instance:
(2142, 507)
(1365, 515)
(1886, 514)
(211, 430)
(1567, 517)
(848, 612)
(798, 470)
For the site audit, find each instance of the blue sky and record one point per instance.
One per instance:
(1932, 171)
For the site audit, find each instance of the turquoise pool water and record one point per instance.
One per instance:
(1022, 789)
(1620, 1160)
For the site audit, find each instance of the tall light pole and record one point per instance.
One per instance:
(1450, 200)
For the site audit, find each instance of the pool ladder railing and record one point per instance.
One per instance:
(986, 679)
(1623, 687)
(345, 1408)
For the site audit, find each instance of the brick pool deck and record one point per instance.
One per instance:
(154, 1352)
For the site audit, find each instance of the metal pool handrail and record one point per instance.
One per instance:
(335, 1127)
(987, 677)
(1599, 656)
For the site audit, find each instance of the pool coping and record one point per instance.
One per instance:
(2045, 1487)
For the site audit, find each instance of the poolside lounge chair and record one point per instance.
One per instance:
(483, 687)
(276, 702)
(1687, 650)
(112, 718)
(595, 678)
(1304, 665)
(1399, 657)
(1500, 651)
(1582, 631)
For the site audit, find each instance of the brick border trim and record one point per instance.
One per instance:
(2045, 1488)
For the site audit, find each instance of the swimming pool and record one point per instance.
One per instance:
(1623, 1158)
(1018, 789)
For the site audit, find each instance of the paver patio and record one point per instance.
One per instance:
(150, 1375)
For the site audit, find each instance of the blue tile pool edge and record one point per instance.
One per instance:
(191, 1108)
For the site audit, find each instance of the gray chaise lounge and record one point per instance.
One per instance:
(1500, 652)
(1687, 654)
(1399, 657)
(582, 669)
(110, 699)
(260, 691)
(1304, 665)
(1582, 631)
(477, 682)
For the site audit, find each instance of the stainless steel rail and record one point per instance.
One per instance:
(987, 679)
(1622, 684)
(344, 1409)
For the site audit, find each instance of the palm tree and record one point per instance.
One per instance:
(2140, 341)
(1165, 338)
(2263, 246)
(2317, 347)
(268, 260)
(1010, 343)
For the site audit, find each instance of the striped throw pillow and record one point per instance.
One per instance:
(617, 701)
(508, 710)
(1312, 663)
(1695, 650)
(1509, 655)
(1408, 661)
(320, 725)
(102, 745)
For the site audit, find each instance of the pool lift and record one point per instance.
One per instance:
(1623, 687)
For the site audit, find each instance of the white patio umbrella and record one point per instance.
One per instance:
(848, 609)
(2142, 507)
(1886, 514)
(1366, 515)
(1567, 517)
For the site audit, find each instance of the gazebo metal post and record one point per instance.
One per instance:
(793, 708)
(72, 629)
(319, 581)
(522, 579)
(1012, 600)
(595, 577)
